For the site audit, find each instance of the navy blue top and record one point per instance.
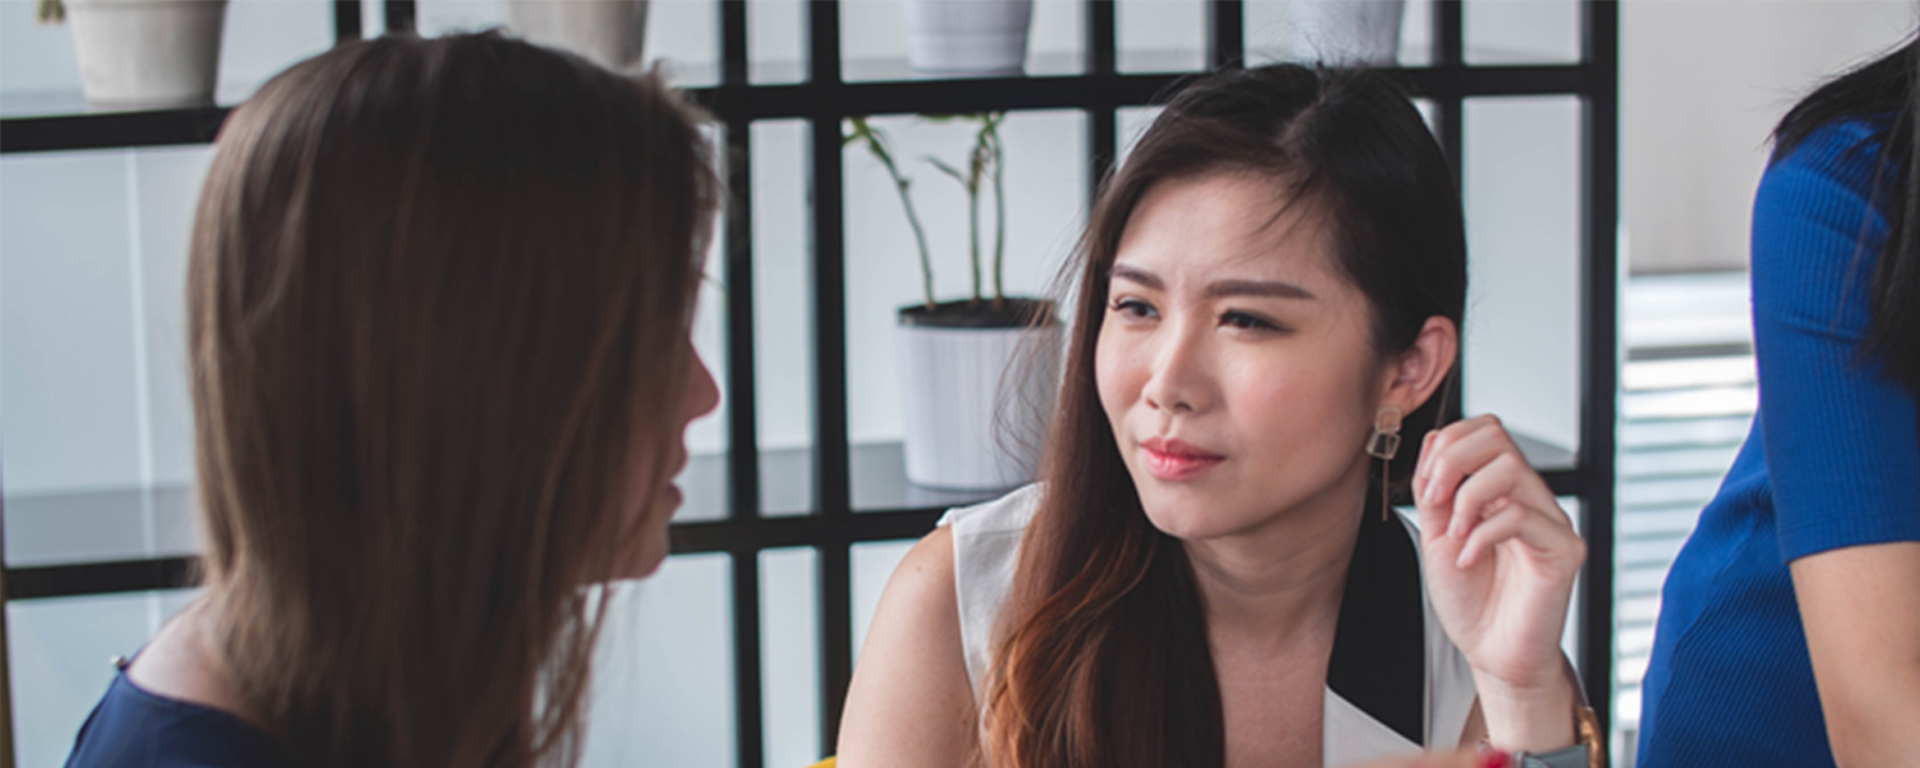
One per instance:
(1832, 461)
(132, 728)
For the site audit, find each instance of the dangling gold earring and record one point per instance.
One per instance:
(1383, 444)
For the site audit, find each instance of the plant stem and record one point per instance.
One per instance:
(877, 146)
(999, 213)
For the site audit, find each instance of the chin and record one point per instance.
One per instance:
(1187, 512)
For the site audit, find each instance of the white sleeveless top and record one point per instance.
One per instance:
(1376, 701)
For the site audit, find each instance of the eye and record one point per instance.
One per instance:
(1134, 308)
(1248, 322)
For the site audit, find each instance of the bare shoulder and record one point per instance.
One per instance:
(910, 702)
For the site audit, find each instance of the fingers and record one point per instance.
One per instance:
(1522, 523)
(1451, 454)
(1507, 478)
(1465, 469)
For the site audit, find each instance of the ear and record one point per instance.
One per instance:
(1412, 376)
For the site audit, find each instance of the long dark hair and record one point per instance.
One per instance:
(1885, 93)
(1101, 656)
(439, 290)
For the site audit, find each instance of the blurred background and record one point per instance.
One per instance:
(96, 460)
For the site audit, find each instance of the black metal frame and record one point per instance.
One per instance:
(824, 101)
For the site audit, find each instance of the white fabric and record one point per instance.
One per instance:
(986, 547)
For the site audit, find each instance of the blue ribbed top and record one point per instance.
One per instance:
(1832, 461)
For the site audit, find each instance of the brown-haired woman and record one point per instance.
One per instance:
(440, 295)
(1269, 290)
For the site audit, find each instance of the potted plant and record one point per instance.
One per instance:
(977, 375)
(1343, 32)
(606, 32)
(967, 37)
(144, 53)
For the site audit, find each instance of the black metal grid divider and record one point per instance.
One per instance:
(1599, 338)
(824, 101)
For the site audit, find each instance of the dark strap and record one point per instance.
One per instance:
(1379, 659)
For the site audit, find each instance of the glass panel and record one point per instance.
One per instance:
(704, 481)
(777, 41)
(790, 656)
(1523, 356)
(95, 415)
(682, 36)
(1288, 30)
(59, 651)
(1046, 193)
(1160, 35)
(663, 685)
(1130, 123)
(1521, 31)
(782, 322)
(40, 71)
(872, 564)
(874, 43)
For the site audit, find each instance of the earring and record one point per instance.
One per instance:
(1385, 440)
(1383, 444)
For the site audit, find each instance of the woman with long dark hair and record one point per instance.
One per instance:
(440, 294)
(1789, 630)
(1270, 292)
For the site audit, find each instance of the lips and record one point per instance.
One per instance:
(1175, 460)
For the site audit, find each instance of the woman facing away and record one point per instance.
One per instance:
(1789, 630)
(1272, 280)
(440, 296)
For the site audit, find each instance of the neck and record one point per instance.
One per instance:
(1280, 584)
(183, 662)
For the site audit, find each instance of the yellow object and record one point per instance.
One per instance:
(827, 763)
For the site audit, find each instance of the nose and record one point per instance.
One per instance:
(702, 393)
(1182, 380)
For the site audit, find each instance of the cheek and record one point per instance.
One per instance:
(1114, 375)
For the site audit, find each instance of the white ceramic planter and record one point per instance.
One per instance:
(1343, 32)
(147, 53)
(972, 425)
(967, 37)
(607, 32)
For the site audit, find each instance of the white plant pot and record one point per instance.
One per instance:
(147, 53)
(1343, 32)
(975, 412)
(607, 32)
(967, 37)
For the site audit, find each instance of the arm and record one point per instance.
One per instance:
(910, 702)
(1861, 610)
(1841, 449)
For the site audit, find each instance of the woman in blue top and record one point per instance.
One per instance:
(440, 294)
(1789, 632)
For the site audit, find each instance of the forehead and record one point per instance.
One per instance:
(1223, 225)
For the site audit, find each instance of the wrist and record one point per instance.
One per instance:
(1529, 718)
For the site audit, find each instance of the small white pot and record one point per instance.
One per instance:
(1343, 32)
(976, 413)
(606, 32)
(967, 37)
(148, 53)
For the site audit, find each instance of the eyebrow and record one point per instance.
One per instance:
(1217, 290)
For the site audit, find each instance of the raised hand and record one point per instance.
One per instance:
(1500, 558)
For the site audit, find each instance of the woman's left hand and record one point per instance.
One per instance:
(1500, 559)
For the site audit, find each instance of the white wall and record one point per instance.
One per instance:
(1701, 85)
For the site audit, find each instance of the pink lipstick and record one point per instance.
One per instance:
(1175, 460)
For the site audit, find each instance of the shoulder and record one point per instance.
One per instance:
(133, 728)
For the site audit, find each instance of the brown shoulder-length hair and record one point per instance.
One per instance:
(1101, 656)
(439, 292)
